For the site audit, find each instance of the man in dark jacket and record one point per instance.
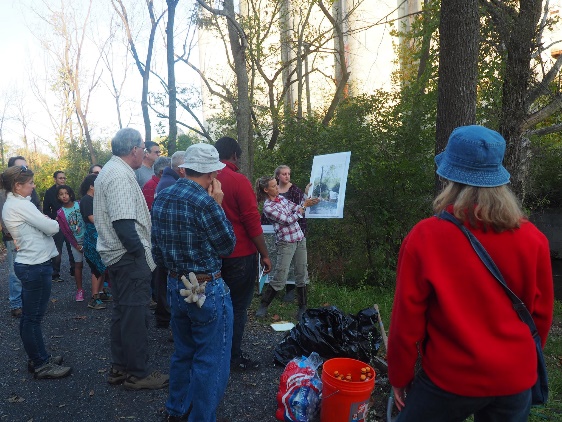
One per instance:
(51, 205)
(162, 310)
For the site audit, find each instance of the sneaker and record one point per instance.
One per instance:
(116, 376)
(153, 381)
(50, 370)
(105, 296)
(243, 363)
(57, 360)
(96, 303)
(152, 305)
(57, 279)
(16, 313)
(80, 295)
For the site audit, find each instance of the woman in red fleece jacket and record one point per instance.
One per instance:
(477, 356)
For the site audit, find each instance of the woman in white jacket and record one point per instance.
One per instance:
(32, 233)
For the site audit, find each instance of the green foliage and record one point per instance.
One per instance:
(182, 142)
(546, 173)
(390, 178)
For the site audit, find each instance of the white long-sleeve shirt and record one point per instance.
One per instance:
(32, 231)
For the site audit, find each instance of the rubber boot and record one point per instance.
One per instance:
(266, 299)
(301, 300)
(289, 293)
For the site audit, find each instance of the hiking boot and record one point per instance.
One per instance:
(243, 363)
(153, 381)
(116, 377)
(50, 370)
(79, 295)
(96, 303)
(57, 360)
(16, 313)
(106, 296)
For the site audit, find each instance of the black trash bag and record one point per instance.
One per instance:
(331, 333)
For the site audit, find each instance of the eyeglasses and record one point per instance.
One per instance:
(150, 152)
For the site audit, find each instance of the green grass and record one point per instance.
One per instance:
(353, 299)
(347, 299)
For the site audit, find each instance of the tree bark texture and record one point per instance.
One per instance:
(243, 109)
(458, 69)
(172, 105)
(520, 45)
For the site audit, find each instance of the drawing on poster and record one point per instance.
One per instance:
(329, 179)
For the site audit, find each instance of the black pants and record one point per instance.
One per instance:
(162, 312)
(56, 261)
(130, 285)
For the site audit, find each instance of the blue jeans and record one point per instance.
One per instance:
(239, 274)
(36, 291)
(200, 365)
(427, 402)
(13, 280)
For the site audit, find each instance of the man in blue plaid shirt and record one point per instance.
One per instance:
(189, 234)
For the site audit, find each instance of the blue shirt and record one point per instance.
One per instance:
(168, 178)
(190, 231)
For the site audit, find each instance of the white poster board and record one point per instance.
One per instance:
(329, 180)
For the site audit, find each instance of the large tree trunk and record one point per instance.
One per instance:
(516, 83)
(172, 119)
(458, 69)
(243, 110)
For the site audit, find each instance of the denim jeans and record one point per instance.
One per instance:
(427, 402)
(13, 280)
(130, 286)
(200, 364)
(239, 274)
(36, 291)
(286, 252)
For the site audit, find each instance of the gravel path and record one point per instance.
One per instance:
(81, 335)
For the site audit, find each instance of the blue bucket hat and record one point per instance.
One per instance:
(474, 156)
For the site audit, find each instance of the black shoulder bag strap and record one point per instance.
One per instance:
(518, 305)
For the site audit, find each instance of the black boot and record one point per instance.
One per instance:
(266, 298)
(301, 300)
(289, 293)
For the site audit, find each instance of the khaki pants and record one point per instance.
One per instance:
(285, 253)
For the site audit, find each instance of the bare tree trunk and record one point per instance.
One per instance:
(516, 83)
(458, 69)
(172, 105)
(243, 110)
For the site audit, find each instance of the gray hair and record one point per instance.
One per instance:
(160, 164)
(178, 158)
(125, 140)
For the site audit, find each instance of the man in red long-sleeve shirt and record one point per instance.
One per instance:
(239, 270)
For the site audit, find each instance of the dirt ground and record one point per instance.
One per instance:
(81, 336)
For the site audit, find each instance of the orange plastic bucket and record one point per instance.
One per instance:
(345, 401)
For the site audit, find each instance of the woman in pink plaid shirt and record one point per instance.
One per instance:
(290, 241)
